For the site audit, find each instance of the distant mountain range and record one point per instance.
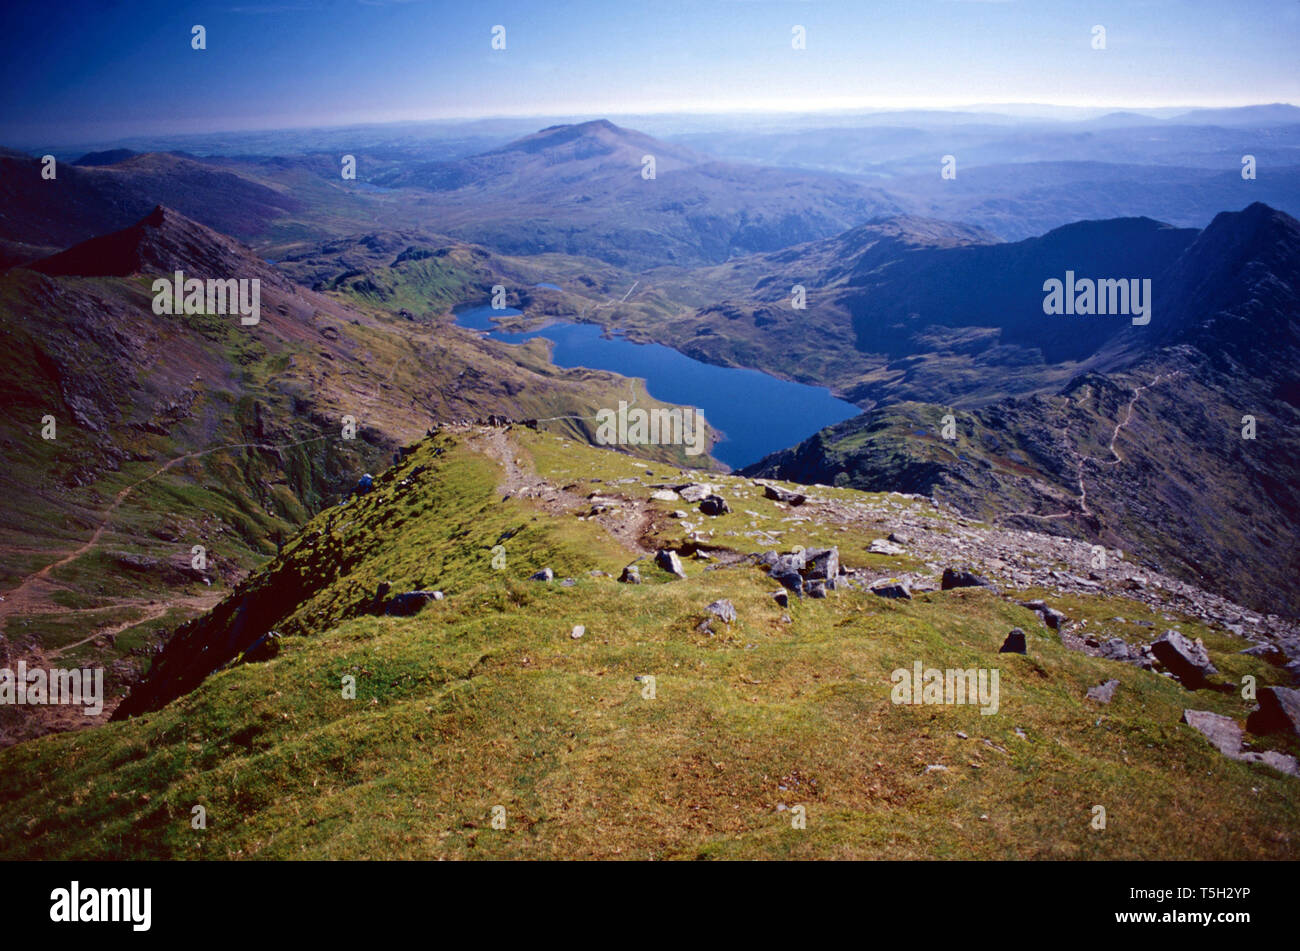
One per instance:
(1147, 455)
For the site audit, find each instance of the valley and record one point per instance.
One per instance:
(364, 558)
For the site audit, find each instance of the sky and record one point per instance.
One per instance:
(76, 71)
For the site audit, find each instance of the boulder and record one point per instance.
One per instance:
(546, 574)
(1227, 736)
(1051, 617)
(777, 494)
(264, 648)
(669, 562)
(821, 563)
(664, 495)
(1015, 642)
(1279, 712)
(1269, 652)
(1223, 732)
(782, 597)
(892, 589)
(365, 484)
(578, 631)
(963, 578)
(815, 589)
(714, 505)
(695, 491)
(724, 610)
(631, 575)
(1103, 693)
(410, 602)
(1183, 658)
(788, 578)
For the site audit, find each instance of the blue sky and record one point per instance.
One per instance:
(77, 71)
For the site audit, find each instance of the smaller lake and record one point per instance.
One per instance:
(756, 413)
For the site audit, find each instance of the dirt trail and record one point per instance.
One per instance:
(200, 603)
(628, 522)
(32, 593)
(1082, 459)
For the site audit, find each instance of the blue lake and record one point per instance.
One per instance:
(756, 413)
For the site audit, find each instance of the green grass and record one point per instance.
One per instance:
(484, 699)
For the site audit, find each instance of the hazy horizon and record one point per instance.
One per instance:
(281, 66)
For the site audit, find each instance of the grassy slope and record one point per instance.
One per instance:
(484, 699)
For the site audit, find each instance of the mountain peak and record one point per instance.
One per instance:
(163, 240)
(598, 140)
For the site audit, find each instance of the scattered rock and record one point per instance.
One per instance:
(631, 575)
(879, 546)
(410, 602)
(1051, 617)
(1103, 693)
(578, 631)
(963, 578)
(724, 610)
(1268, 652)
(1227, 736)
(1223, 732)
(821, 563)
(781, 495)
(670, 562)
(546, 574)
(892, 589)
(782, 597)
(1183, 658)
(1279, 712)
(789, 578)
(714, 505)
(815, 589)
(1015, 642)
(264, 648)
(695, 491)
(664, 495)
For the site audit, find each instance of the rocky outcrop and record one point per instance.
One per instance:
(812, 571)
